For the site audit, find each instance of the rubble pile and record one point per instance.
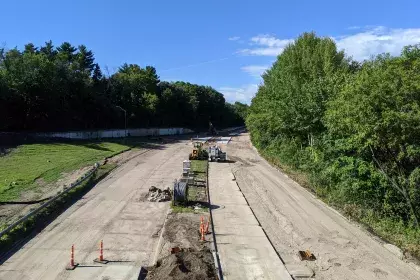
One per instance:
(158, 195)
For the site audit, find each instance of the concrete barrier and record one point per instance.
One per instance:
(114, 133)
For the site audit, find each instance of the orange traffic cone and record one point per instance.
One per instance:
(101, 254)
(72, 265)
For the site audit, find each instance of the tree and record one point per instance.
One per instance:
(49, 50)
(62, 88)
(30, 48)
(375, 118)
(85, 59)
(291, 103)
(66, 52)
(97, 73)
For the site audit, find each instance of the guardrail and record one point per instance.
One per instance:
(86, 176)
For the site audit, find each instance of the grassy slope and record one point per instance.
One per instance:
(20, 169)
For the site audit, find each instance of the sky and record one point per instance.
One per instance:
(224, 44)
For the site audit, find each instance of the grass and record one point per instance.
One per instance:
(199, 167)
(192, 193)
(27, 165)
(182, 209)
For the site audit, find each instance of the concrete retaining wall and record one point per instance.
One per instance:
(114, 133)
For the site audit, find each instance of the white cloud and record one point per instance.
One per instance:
(360, 42)
(266, 45)
(367, 42)
(269, 41)
(234, 38)
(242, 94)
(255, 70)
(373, 41)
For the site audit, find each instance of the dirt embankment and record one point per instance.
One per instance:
(32, 199)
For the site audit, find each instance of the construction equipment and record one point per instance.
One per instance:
(216, 154)
(198, 153)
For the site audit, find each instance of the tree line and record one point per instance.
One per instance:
(62, 88)
(351, 128)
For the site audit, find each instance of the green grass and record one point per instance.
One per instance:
(199, 167)
(192, 193)
(181, 209)
(24, 165)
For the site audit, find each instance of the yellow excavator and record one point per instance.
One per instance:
(198, 153)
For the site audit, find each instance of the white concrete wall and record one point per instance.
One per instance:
(115, 133)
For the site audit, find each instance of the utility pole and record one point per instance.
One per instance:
(125, 121)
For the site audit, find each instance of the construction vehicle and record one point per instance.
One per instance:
(198, 153)
(216, 154)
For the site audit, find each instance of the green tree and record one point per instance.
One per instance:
(85, 59)
(297, 87)
(376, 116)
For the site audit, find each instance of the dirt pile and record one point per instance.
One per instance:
(158, 195)
(185, 265)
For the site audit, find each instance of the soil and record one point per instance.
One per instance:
(194, 261)
(125, 156)
(188, 265)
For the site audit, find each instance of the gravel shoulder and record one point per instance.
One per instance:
(294, 220)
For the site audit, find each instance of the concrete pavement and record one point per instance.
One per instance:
(244, 250)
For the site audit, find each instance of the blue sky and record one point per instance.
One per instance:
(225, 44)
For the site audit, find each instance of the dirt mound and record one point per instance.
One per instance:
(158, 195)
(186, 265)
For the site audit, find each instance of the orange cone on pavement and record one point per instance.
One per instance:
(101, 254)
(72, 265)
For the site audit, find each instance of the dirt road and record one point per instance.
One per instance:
(295, 220)
(116, 212)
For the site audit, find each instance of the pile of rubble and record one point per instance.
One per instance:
(158, 195)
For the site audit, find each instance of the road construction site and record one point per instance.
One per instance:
(258, 221)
